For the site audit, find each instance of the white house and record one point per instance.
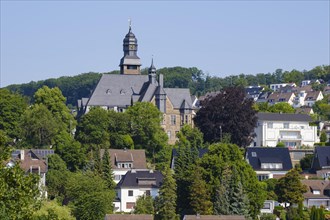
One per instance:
(123, 160)
(291, 129)
(312, 97)
(134, 184)
(276, 87)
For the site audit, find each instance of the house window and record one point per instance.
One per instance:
(130, 192)
(271, 166)
(169, 134)
(266, 205)
(270, 125)
(148, 193)
(262, 177)
(316, 192)
(254, 154)
(286, 125)
(173, 119)
(282, 100)
(130, 205)
(186, 119)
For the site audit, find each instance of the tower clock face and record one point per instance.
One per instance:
(132, 47)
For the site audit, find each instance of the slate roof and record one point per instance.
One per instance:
(322, 155)
(137, 157)
(128, 217)
(257, 155)
(320, 185)
(178, 95)
(252, 90)
(117, 90)
(264, 116)
(141, 178)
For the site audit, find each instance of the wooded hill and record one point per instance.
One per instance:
(76, 87)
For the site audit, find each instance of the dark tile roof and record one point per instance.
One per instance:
(138, 178)
(280, 96)
(128, 217)
(117, 90)
(253, 90)
(263, 116)
(257, 155)
(137, 157)
(322, 154)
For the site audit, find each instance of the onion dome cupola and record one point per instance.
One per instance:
(152, 73)
(130, 63)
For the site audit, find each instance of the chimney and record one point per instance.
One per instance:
(22, 155)
(161, 80)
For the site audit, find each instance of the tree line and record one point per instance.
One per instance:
(199, 83)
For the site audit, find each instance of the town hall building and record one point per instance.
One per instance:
(119, 91)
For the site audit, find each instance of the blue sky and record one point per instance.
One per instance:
(49, 39)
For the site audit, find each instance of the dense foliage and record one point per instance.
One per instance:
(199, 83)
(227, 112)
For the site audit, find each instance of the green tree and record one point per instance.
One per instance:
(51, 210)
(55, 102)
(289, 188)
(91, 201)
(200, 198)
(293, 76)
(221, 198)
(144, 205)
(107, 172)
(39, 127)
(12, 107)
(323, 137)
(228, 112)
(270, 188)
(191, 136)
(166, 201)
(92, 129)
(18, 191)
(183, 170)
(306, 162)
(281, 107)
(70, 151)
(146, 129)
(223, 157)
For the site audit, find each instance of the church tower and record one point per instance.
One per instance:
(130, 63)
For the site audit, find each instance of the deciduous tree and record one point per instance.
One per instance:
(227, 112)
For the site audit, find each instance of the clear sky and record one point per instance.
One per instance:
(49, 39)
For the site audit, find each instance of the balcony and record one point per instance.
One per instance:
(290, 137)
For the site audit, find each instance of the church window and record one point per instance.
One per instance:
(131, 67)
(173, 119)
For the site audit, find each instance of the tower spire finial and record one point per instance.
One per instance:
(130, 23)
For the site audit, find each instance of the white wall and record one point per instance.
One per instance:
(299, 132)
(124, 198)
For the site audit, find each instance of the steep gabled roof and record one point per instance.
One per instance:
(320, 185)
(137, 157)
(138, 178)
(257, 155)
(117, 90)
(264, 116)
(322, 154)
(177, 96)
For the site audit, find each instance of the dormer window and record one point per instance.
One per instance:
(271, 166)
(316, 192)
(282, 99)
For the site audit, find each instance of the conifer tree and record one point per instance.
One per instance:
(200, 199)
(97, 162)
(166, 201)
(221, 201)
(107, 172)
(238, 199)
(183, 176)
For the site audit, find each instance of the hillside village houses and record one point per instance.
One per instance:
(291, 129)
(118, 92)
